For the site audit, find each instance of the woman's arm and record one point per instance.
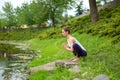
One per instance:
(69, 48)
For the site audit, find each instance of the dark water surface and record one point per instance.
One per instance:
(14, 66)
(13, 69)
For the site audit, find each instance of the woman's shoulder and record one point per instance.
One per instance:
(73, 38)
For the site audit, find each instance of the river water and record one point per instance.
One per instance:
(14, 67)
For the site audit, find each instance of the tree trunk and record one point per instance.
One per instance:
(93, 11)
(53, 17)
(53, 21)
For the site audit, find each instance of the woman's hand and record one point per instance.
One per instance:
(64, 45)
(67, 47)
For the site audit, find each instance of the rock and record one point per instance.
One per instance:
(75, 69)
(51, 66)
(48, 67)
(25, 57)
(22, 56)
(59, 63)
(101, 77)
(65, 63)
(1, 68)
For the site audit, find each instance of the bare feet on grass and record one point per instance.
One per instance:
(75, 59)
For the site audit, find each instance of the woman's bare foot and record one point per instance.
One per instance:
(75, 59)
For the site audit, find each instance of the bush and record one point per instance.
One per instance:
(6, 48)
(108, 25)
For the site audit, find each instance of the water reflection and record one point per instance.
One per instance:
(14, 61)
(12, 68)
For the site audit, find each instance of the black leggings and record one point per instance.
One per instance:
(78, 51)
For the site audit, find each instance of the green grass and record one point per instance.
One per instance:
(103, 58)
(50, 50)
(57, 74)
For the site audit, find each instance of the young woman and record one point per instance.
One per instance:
(73, 45)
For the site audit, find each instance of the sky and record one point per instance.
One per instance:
(16, 3)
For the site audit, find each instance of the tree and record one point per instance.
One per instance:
(56, 8)
(24, 15)
(79, 9)
(39, 12)
(2, 23)
(2, 20)
(9, 14)
(93, 11)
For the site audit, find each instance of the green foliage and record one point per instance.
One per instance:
(2, 23)
(39, 12)
(20, 34)
(24, 15)
(57, 74)
(79, 9)
(42, 35)
(108, 25)
(55, 8)
(9, 15)
(50, 33)
(27, 34)
(78, 24)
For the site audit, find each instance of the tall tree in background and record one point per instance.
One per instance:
(0, 19)
(93, 11)
(9, 14)
(56, 8)
(2, 23)
(24, 15)
(39, 12)
(79, 9)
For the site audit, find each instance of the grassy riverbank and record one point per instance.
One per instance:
(101, 39)
(103, 58)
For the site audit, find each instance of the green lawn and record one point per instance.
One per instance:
(103, 58)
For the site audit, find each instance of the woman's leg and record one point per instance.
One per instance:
(78, 51)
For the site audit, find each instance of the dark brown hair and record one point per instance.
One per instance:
(66, 29)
